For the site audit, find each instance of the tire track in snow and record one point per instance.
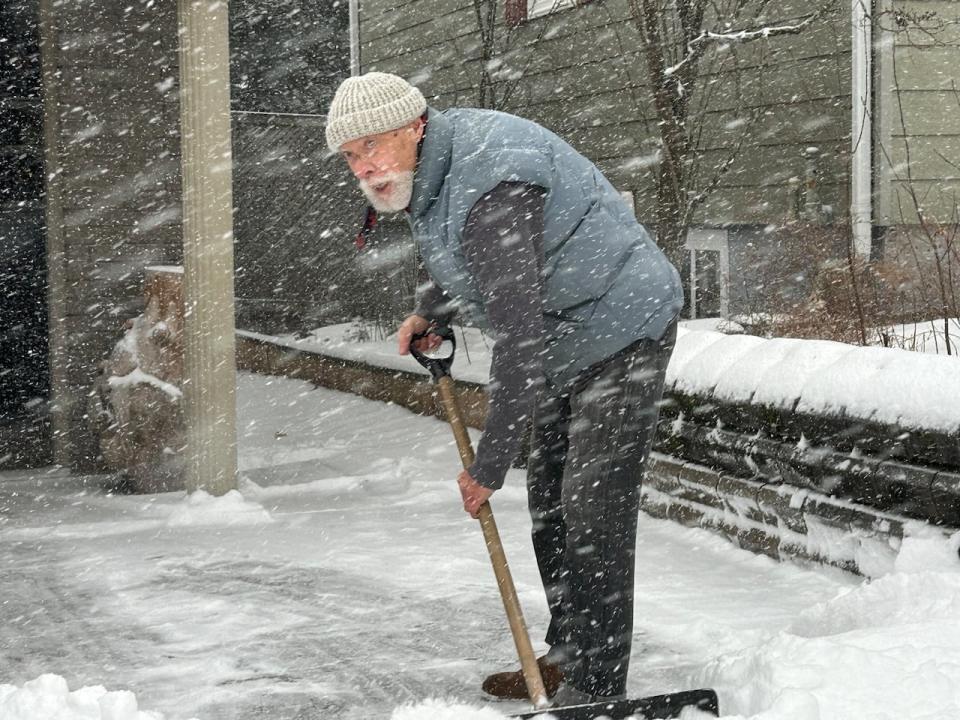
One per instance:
(54, 626)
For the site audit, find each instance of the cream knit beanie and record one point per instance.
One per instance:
(371, 104)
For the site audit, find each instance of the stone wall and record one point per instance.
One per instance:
(783, 484)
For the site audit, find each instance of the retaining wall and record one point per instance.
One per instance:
(794, 486)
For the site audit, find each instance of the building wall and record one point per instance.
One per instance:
(584, 78)
(110, 73)
(24, 375)
(295, 220)
(776, 110)
(917, 143)
(917, 152)
(296, 213)
(113, 81)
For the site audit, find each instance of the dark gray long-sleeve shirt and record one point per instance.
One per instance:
(503, 246)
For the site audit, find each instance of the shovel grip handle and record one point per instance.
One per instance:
(439, 367)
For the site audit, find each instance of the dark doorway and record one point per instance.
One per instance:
(24, 371)
(708, 283)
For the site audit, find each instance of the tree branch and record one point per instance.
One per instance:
(695, 46)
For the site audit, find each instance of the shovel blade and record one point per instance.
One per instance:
(659, 707)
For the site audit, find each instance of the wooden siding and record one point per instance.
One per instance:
(585, 79)
(918, 139)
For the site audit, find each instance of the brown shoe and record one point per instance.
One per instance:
(512, 686)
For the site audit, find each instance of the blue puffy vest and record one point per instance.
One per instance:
(605, 282)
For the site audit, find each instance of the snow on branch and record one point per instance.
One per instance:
(738, 36)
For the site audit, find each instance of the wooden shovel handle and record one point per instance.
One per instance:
(508, 593)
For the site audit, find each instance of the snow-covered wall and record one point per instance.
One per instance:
(882, 385)
(874, 428)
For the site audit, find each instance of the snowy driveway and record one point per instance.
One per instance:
(346, 582)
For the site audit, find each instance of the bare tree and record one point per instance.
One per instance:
(935, 250)
(676, 37)
(500, 39)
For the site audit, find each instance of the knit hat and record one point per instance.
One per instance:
(371, 104)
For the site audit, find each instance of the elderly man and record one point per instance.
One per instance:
(525, 238)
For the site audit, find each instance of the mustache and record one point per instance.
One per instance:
(381, 180)
(393, 198)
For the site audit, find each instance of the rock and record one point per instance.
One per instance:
(137, 399)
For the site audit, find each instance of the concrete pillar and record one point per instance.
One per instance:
(210, 371)
(61, 396)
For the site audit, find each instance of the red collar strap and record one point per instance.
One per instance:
(369, 223)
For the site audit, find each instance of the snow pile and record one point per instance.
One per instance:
(445, 710)
(886, 649)
(818, 376)
(925, 549)
(202, 508)
(49, 698)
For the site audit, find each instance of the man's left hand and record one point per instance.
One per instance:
(474, 495)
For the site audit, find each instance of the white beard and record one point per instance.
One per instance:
(400, 193)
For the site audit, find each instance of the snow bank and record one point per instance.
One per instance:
(49, 698)
(202, 508)
(817, 376)
(885, 649)
(445, 710)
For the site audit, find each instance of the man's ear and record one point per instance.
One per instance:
(417, 126)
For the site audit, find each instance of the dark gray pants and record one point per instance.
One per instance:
(588, 450)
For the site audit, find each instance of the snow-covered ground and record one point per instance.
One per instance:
(344, 581)
(930, 336)
(938, 336)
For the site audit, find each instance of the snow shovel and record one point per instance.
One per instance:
(660, 706)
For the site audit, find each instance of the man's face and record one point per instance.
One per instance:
(384, 165)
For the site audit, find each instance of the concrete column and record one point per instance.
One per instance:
(61, 397)
(210, 371)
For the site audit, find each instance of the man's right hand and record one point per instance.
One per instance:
(411, 326)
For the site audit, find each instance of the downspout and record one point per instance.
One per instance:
(354, 37)
(861, 172)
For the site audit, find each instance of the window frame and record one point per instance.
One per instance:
(539, 8)
(707, 239)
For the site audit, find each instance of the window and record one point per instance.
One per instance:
(518, 11)
(709, 272)
(536, 8)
